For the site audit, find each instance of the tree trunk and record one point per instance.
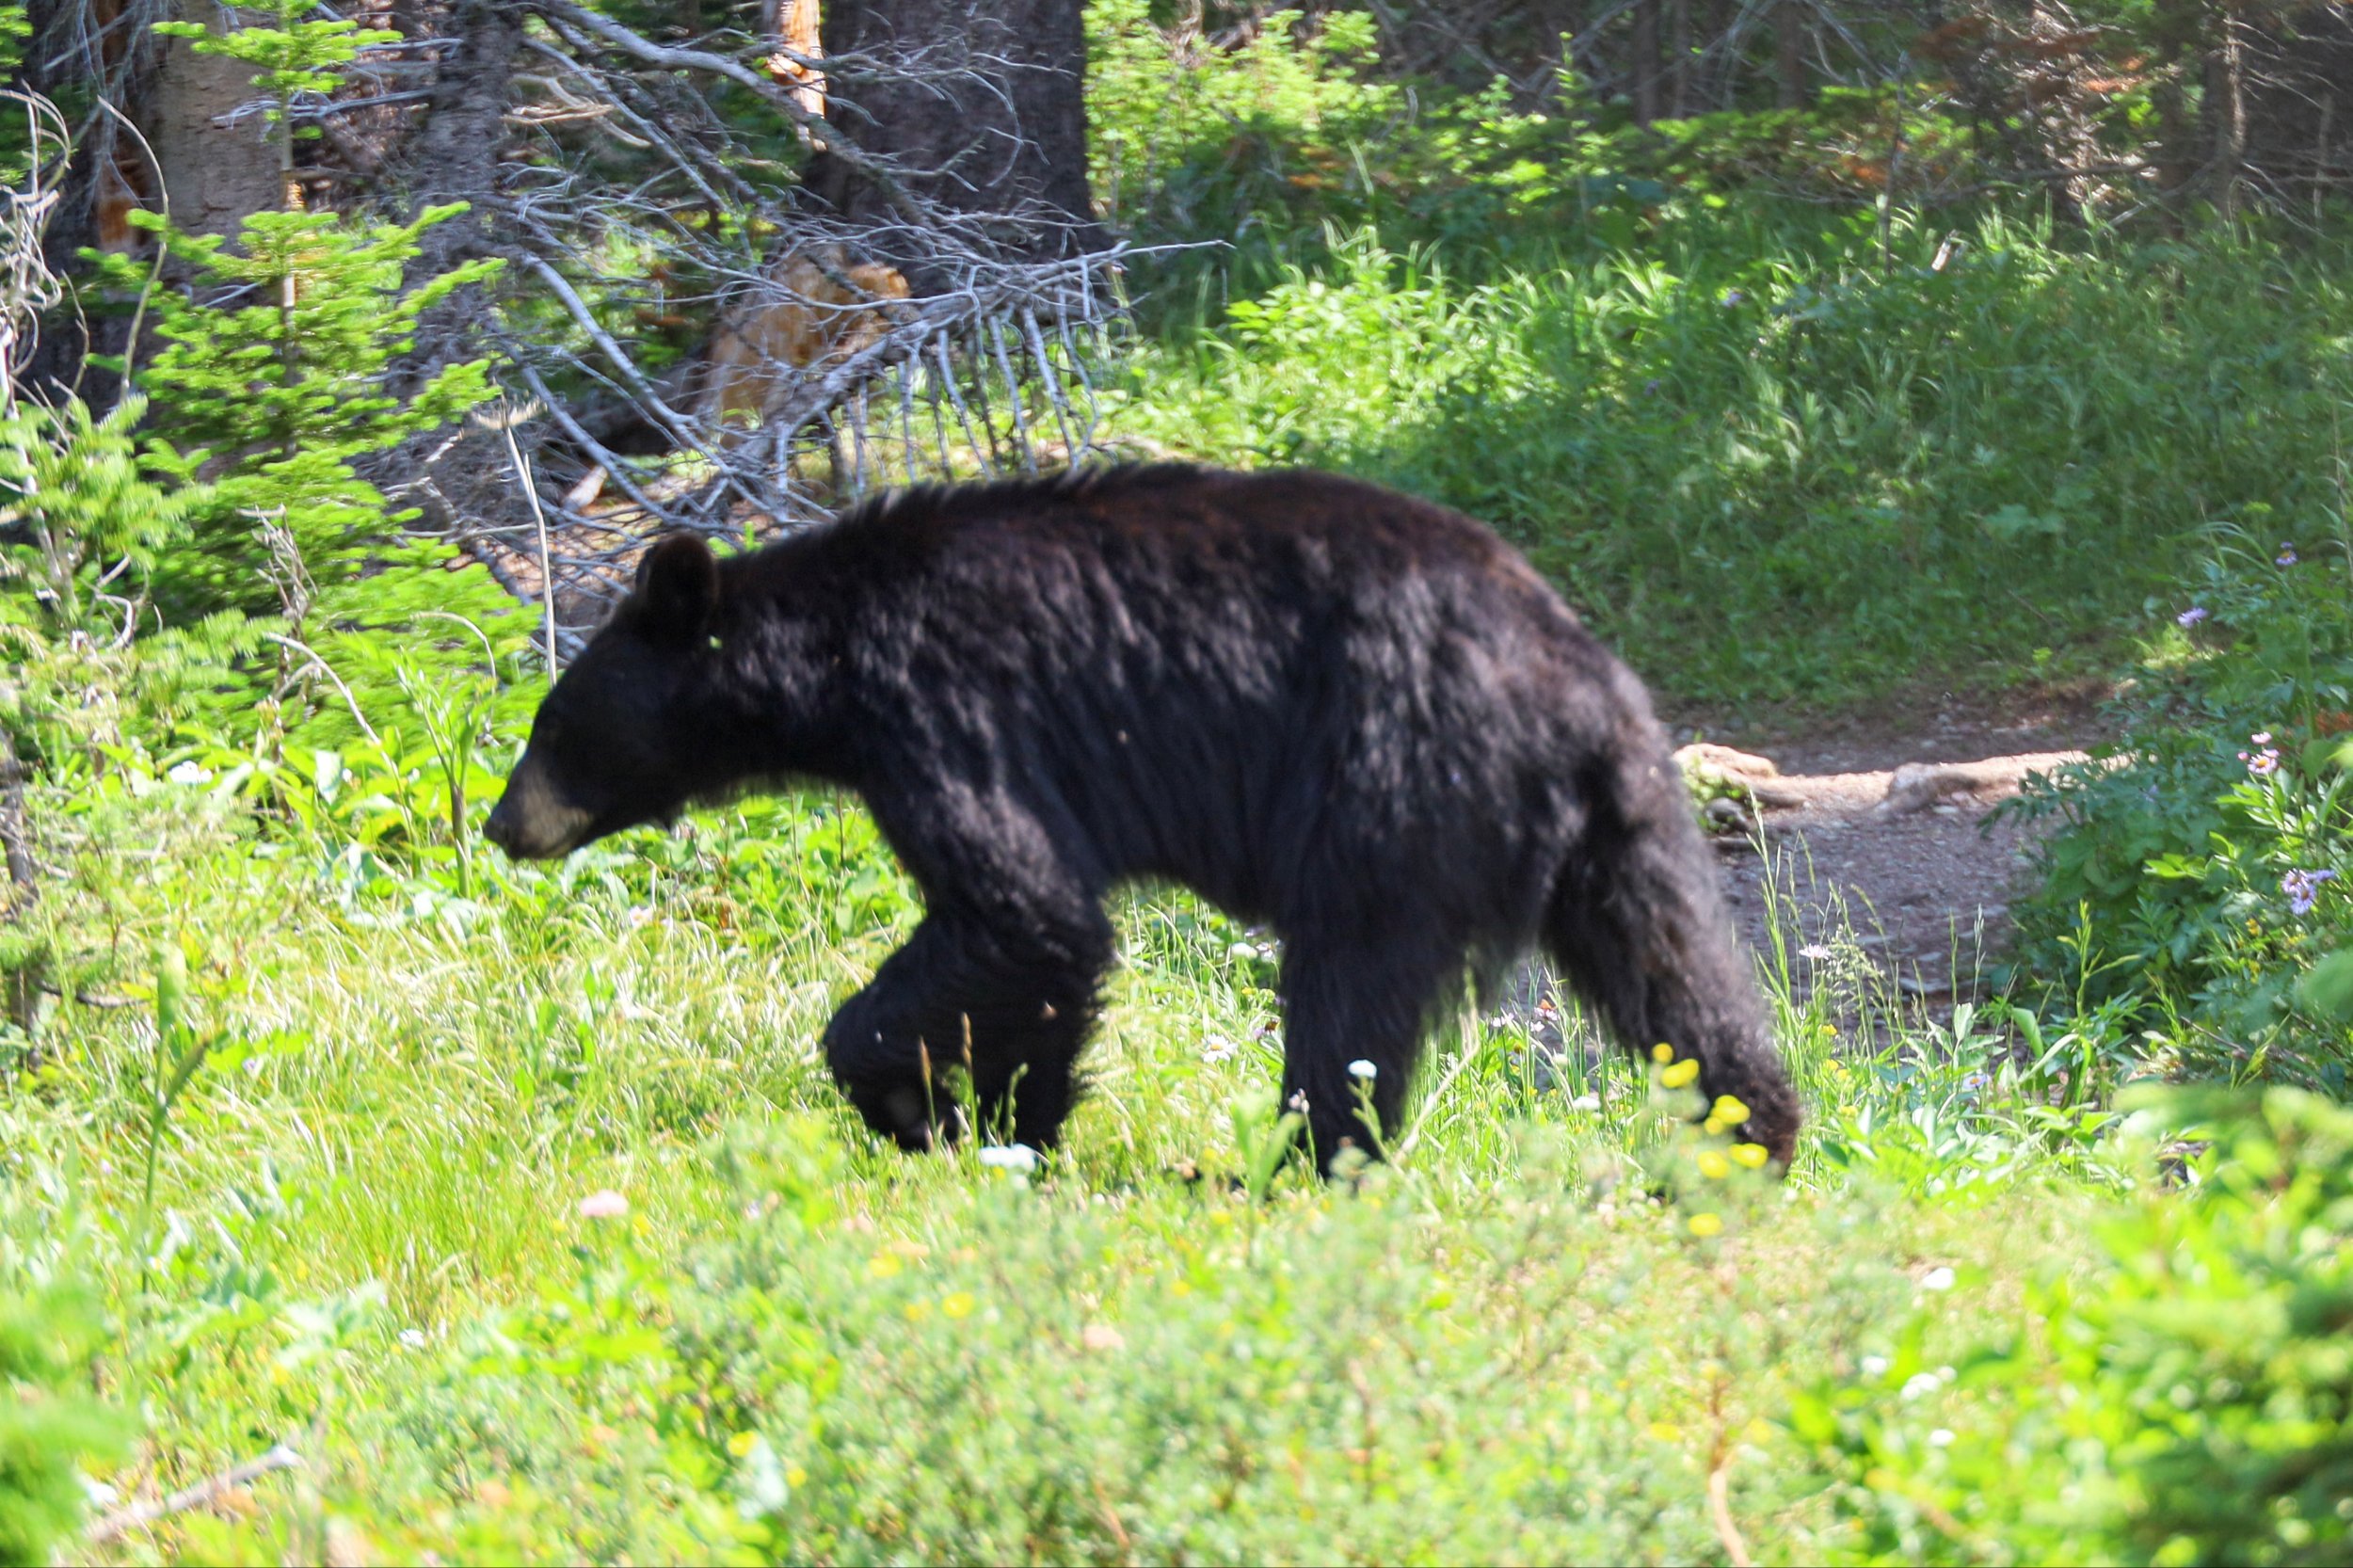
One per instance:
(1789, 39)
(454, 156)
(1644, 70)
(1679, 70)
(216, 175)
(2226, 93)
(979, 104)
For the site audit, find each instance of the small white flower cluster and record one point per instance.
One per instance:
(1018, 1158)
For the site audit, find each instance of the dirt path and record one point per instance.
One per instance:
(1881, 874)
(1879, 835)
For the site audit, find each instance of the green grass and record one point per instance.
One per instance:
(1771, 464)
(368, 1242)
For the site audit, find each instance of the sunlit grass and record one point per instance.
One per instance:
(404, 1113)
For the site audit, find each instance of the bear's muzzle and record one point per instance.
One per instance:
(530, 822)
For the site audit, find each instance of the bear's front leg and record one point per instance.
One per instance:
(1012, 1000)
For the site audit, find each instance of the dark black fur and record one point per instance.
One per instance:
(1355, 716)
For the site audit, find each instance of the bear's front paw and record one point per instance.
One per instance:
(904, 1116)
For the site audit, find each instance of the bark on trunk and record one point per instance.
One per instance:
(215, 173)
(454, 156)
(981, 105)
(1679, 69)
(1789, 39)
(1645, 68)
(2226, 90)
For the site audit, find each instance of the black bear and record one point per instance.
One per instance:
(1355, 716)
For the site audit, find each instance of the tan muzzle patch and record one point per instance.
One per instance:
(530, 822)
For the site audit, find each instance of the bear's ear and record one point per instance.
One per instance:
(677, 588)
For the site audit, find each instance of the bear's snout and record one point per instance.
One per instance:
(530, 822)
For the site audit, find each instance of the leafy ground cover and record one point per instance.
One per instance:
(367, 1238)
(526, 1219)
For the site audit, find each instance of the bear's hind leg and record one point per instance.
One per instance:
(1638, 923)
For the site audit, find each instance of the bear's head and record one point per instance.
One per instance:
(613, 745)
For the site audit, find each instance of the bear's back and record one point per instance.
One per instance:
(1165, 536)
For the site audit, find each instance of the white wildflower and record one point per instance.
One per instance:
(1937, 1279)
(1919, 1384)
(1010, 1157)
(604, 1204)
(190, 773)
(1363, 1069)
(412, 1339)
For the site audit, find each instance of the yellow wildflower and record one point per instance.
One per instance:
(1751, 1155)
(882, 1266)
(743, 1443)
(1662, 1052)
(1666, 1431)
(1680, 1073)
(958, 1306)
(1705, 1225)
(1728, 1110)
(1714, 1166)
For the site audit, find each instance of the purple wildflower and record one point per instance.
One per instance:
(2191, 617)
(2286, 556)
(1732, 296)
(2263, 765)
(2260, 736)
(2302, 888)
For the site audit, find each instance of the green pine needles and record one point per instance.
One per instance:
(271, 401)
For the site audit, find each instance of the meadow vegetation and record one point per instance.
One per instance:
(515, 1201)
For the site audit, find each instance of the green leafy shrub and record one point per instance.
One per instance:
(91, 520)
(50, 1419)
(272, 400)
(2202, 862)
(2191, 1405)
